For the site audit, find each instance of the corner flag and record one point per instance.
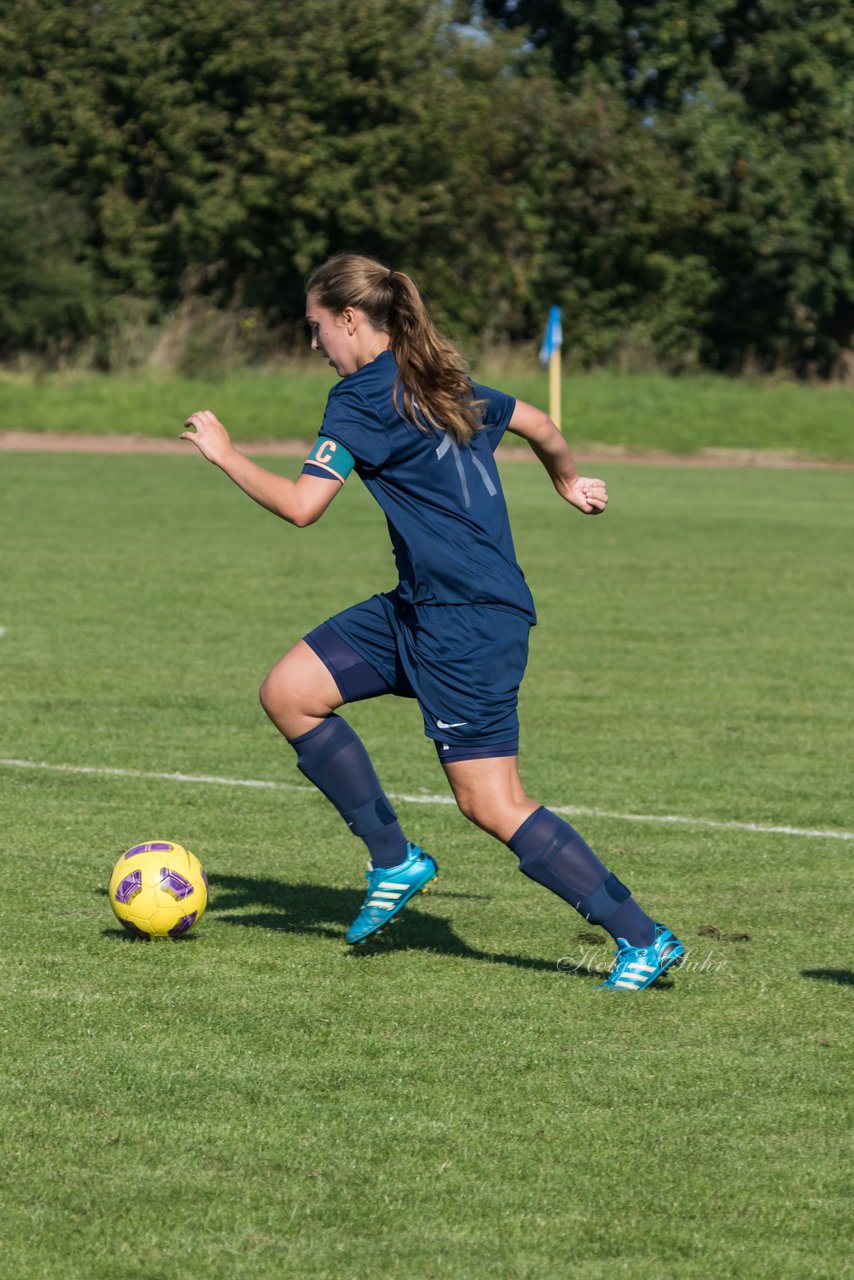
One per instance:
(553, 337)
(550, 355)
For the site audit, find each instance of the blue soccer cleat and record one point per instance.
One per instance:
(389, 890)
(637, 967)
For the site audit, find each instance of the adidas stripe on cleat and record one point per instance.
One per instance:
(389, 890)
(638, 967)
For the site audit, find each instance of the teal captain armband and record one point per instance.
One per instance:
(329, 458)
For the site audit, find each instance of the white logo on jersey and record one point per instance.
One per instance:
(440, 724)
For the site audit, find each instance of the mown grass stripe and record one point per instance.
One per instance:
(666, 819)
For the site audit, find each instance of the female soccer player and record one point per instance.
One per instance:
(454, 632)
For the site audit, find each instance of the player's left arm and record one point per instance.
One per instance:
(301, 502)
(586, 493)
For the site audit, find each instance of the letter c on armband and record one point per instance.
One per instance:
(331, 457)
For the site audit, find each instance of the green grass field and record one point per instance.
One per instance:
(257, 1102)
(636, 413)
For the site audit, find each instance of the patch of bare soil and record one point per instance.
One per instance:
(49, 442)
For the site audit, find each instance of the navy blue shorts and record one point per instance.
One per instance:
(463, 664)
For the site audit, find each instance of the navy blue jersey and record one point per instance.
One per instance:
(445, 508)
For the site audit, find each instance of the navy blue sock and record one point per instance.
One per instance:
(552, 852)
(334, 758)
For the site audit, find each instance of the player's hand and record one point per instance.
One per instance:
(587, 494)
(208, 435)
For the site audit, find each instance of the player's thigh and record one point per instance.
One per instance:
(466, 665)
(490, 793)
(300, 683)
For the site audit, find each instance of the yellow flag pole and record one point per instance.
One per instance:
(550, 355)
(554, 388)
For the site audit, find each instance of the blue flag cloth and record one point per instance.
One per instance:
(553, 336)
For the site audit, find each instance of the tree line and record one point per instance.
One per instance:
(679, 178)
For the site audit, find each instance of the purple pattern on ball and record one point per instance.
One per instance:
(175, 884)
(157, 846)
(185, 923)
(129, 887)
(204, 877)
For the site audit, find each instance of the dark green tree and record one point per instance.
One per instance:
(49, 294)
(756, 100)
(225, 145)
(677, 174)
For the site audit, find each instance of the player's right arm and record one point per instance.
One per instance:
(301, 502)
(586, 493)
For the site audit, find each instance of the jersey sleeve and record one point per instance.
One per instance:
(350, 421)
(497, 411)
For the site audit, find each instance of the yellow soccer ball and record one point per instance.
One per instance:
(158, 889)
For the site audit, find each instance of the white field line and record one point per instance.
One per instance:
(661, 819)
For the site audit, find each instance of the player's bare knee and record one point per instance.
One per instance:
(265, 696)
(477, 812)
(274, 694)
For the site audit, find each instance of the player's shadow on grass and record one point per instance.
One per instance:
(325, 911)
(124, 935)
(842, 977)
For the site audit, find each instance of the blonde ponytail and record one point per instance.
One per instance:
(432, 385)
